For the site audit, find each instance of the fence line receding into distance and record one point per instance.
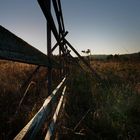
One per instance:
(15, 49)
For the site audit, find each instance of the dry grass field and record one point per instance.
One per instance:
(12, 78)
(111, 107)
(104, 110)
(118, 100)
(127, 73)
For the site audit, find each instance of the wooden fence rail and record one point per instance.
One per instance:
(52, 125)
(33, 127)
(15, 49)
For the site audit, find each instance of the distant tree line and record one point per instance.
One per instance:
(125, 57)
(113, 57)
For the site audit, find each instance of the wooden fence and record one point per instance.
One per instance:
(15, 49)
(35, 124)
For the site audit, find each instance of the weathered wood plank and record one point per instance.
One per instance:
(31, 129)
(16, 49)
(53, 122)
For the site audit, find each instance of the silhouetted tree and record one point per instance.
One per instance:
(88, 52)
(116, 57)
(110, 57)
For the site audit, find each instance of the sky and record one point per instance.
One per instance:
(103, 26)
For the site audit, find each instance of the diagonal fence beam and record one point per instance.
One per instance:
(52, 125)
(55, 46)
(57, 13)
(83, 60)
(61, 15)
(49, 18)
(15, 49)
(32, 128)
(44, 6)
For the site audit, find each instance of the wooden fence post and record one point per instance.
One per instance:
(49, 51)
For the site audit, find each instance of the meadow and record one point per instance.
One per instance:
(108, 109)
(19, 99)
(117, 100)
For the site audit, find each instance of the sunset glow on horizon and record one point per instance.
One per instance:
(103, 26)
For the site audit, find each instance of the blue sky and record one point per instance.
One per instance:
(104, 26)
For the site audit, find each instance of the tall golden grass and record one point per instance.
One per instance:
(102, 110)
(114, 103)
(12, 76)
